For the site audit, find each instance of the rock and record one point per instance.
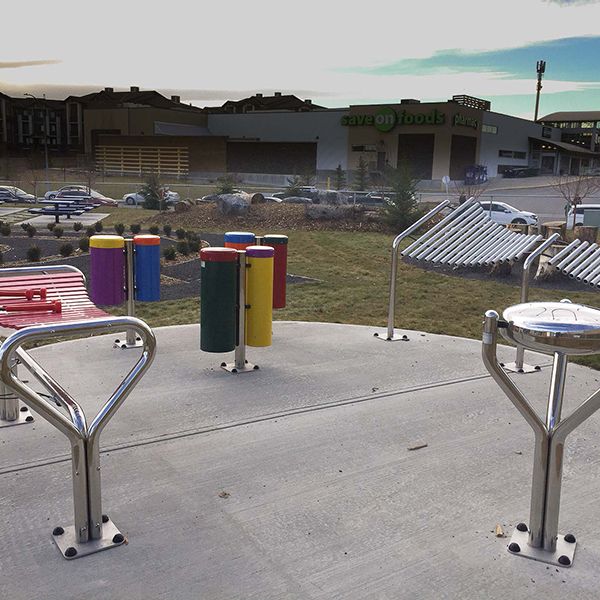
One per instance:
(183, 206)
(233, 204)
(328, 212)
(257, 198)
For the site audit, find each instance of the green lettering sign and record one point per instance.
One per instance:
(387, 118)
(465, 121)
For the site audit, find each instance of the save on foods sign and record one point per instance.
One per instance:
(385, 119)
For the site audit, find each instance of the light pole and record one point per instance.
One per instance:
(46, 127)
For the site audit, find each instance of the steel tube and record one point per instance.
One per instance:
(469, 245)
(574, 265)
(514, 394)
(442, 238)
(240, 347)
(508, 250)
(130, 338)
(516, 249)
(552, 262)
(591, 255)
(497, 250)
(589, 270)
(459, 238)
(485, 249)
(571, 256)
(394, 266)
(527, 248)
(489, 237)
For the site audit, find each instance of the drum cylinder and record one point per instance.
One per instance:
(147, 268)
(239, 240)
(107, 270)
(259, 295)
(218, 299)
(279, 243)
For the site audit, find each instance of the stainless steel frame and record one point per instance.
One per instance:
(240, 364)
(395, 249)
(540, 539)
(131, 339)
(92, 530)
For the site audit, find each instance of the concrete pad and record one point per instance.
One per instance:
(323, 498)
(87, 219)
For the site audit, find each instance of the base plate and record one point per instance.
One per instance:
(397, 337)
(24, 418)
(564, 552)
(71, 549)
(232, 368)
(123, 345)
(512, 368)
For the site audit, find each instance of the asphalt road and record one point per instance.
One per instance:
(543, 201)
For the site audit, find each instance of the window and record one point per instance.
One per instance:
(546, 132)
(512, 154)
(489, 128)
(364, 148)
(587, 124)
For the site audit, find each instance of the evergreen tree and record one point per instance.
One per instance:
(340, 178)
(401, 208)
(361, 178)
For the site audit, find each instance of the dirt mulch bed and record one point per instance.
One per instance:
(264, 218)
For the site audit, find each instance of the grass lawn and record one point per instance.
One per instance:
(353, 269)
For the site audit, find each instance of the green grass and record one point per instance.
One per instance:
(353, 269)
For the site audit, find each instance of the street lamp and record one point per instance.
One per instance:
(46, 126)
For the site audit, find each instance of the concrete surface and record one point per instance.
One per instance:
(296, 481)
(87, 219)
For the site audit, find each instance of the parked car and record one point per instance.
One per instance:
(584, 214)
(83, 196)
(521, 172)
(503, 213)
(137, 198)
(10, 193)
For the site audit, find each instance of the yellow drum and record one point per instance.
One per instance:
(259, 295)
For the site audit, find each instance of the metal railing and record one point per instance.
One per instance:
(92, 530)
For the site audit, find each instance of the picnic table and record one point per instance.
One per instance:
(58, 208)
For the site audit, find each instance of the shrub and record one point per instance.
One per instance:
(135, 228)
(183, 247)
(119, 229)
(180, 233)
(90, 231)
(58, 231)
(34, 254)
(170, 253)
(98, 226)
(84, 244)
(167, 229)
(77, 226)
(24, 227)
(5, 229)
(152, 192)
(50, 226)
(154, 229)
(31, 231)
(66, 250)
(194, 246)
(1, 258)
(402, 209)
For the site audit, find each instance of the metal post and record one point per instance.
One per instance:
(10, 412)
(240, 364)
(131, 340)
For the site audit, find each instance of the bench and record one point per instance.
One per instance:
(42, 304)
(57, 213)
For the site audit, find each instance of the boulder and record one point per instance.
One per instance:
(233, 204)
(183, 206)
(297, 200)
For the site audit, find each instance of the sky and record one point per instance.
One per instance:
(336, 53)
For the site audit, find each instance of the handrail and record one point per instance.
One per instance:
(84, 439)
(40, 269)
(395, 247)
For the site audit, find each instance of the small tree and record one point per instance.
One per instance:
(77, 226)
(84, 244)
(58, 231)
(34, 254)
(153, 229)
(574, 188)
(226, 184)
(180, 233)
(400, 210)
(66, 250)
(308, 178)
(167, 229)
(170, 253)
(119, 229)
(340, 178)
(294, 185)
(135, 228)
(98, 227)
(152, 192)
(361, 177)
(31, 231)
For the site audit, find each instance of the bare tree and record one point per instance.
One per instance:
(575, 188)
(87, 170)
(465, 191)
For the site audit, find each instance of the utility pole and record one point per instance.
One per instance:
(541, 69)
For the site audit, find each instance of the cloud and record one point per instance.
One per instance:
(17, 64)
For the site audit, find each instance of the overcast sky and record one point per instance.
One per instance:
(334, 52)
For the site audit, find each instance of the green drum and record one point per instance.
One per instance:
(218, 299)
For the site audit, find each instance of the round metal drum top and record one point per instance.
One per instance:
(554, 327)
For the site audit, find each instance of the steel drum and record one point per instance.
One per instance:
(549, 327)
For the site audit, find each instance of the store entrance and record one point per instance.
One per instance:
(415, 151)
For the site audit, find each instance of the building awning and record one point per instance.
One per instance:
(161, 128)
(566, 146)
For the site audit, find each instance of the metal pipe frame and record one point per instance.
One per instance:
(496, 250)
(511, 253)
(552, 262)
(394, 268)
(519, 365)
(527, 248)
(487, 238)
(240, 364)
(542, 541)
(591, 269)
(465, 234)
(584, 259)
(92, 530)
(571, 256)
(478, 237)
(474, 257)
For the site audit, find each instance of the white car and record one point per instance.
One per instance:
(503, 213)
(585, 214)
(137, 198)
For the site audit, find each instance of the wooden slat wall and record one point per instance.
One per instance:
(171, 160)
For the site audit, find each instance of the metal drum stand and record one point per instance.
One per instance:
(561, 329)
